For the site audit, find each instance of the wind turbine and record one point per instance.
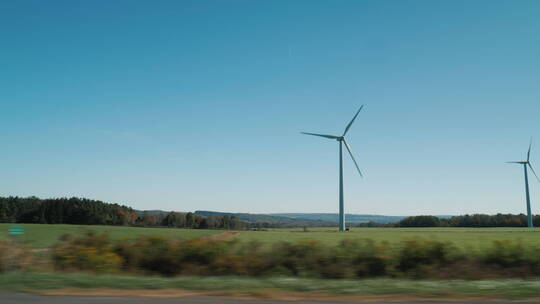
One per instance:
(525, 164)
(341, 140)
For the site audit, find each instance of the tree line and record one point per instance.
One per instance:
(264, 221)
(81, 211)
(473, 220)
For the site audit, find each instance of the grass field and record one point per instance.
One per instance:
(42, 235)
(463, 237)
(487, 289)
(45, 235)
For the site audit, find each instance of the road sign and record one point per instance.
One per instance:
(16, 230)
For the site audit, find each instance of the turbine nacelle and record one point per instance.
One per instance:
(527, 162)
(341, 138)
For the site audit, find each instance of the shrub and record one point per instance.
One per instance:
(368, 259)
(150, 254)
(416, 257)
(92, 252)
(14, 257)
(249, 258)
(512, 255)
(295, 258)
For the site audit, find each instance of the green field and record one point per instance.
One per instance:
(263, 287)
(42, 235)
(463, 237)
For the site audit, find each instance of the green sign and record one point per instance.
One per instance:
(16, 230)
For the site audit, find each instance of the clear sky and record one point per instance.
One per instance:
(198, 105)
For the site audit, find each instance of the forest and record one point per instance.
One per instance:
(473, 220)
(80, 211)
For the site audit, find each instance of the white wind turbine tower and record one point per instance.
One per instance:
(341, 140)
(526, 163)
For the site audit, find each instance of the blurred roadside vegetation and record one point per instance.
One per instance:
(413, 258)
(270, 286)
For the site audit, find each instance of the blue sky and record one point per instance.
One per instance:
(198, 105)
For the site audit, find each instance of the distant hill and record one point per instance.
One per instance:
(153, 212)
(299, 219)
(272, 220)
(307, 219)
(349, 218)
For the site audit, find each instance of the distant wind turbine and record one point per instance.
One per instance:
(341, 140)
(525, 164)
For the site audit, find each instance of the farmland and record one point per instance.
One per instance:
(463, 237)
(43, 235)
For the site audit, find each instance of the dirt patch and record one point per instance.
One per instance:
(161, 293)
(268, 294)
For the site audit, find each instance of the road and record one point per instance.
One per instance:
(20, 298)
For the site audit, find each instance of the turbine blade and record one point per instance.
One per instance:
(350, 123)
(321, 135)
(529, 152)
(516, 162)
(354, 160)
(530, 166)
